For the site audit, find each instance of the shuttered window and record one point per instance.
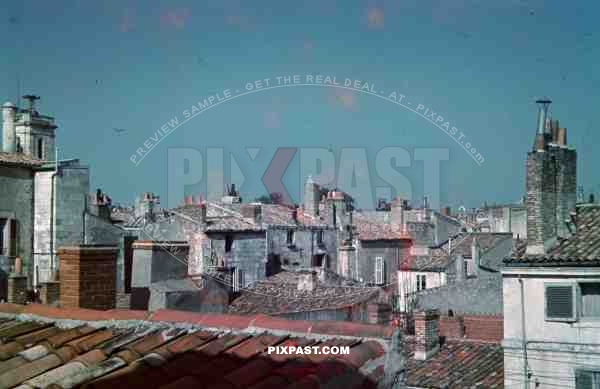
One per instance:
(14, 233)
(587, 379)
(421, 282)
(379, 270)
(560, 302)
(590, 299)
(238, 279)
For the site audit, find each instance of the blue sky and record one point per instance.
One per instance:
(136, 64)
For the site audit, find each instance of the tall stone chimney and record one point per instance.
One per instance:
(9, 135)
(550, 185)
(426, 334)
(397, 214)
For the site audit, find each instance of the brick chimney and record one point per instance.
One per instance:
(88, 276)
(426, 334)
(308, 281)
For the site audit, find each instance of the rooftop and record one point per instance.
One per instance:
(279, 294)
(581, 249)
(19, 159)
(65, 348)
(169, 349)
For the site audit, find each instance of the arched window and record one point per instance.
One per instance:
(40, 148)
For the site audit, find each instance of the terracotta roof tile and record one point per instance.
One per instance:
(581, 249)
(158, 354)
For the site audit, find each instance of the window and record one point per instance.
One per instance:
(40, 148)
(319, 237)
(587, 379)
(560, 302)
(421, 282)
(290, 238)
(238, 279)
(228, 243)
(379, 265)
(590, 299)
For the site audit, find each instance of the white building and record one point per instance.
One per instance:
(552, 312)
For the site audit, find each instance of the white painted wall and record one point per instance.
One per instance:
(554, 349)
(407, 282)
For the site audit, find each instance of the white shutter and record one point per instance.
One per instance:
(238, 279)
(379, 270)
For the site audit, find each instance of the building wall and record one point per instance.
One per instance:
(16, 200)
(248, 252)
(407, 284)
(357, 314)
(555, 349)
(474, 296)
(72, 187)
(392, 252)
(509, 219)
(305, 246)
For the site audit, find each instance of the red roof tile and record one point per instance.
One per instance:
(213, 357)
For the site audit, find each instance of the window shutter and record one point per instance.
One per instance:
(238, 279)
(379, 270)
(559, 302)
(13, 238)
(584, 379)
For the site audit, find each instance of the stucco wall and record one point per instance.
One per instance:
(474, 296)
(16, 199)
(555, 349)
(407, 283)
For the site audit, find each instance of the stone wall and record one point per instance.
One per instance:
(475, 296)
(551, 194)
(16, 201)
(392, 252)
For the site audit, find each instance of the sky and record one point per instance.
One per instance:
(135, 65)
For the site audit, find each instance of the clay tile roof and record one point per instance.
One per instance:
(581, 249)
(458, 365)
(201, 351)
(158, 353)
(279, 294)
(18, 159)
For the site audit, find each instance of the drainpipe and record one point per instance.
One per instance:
(53, 215)
(524, 336)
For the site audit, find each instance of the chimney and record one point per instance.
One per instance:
(561, 136)
(459, 262)
(426, 334)
(258, 213)
(189, 200)
(295, 215)
(542, 137)
(9, 135)
(397, 212)
(203, 212)
(308, 281)
(476, 254)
